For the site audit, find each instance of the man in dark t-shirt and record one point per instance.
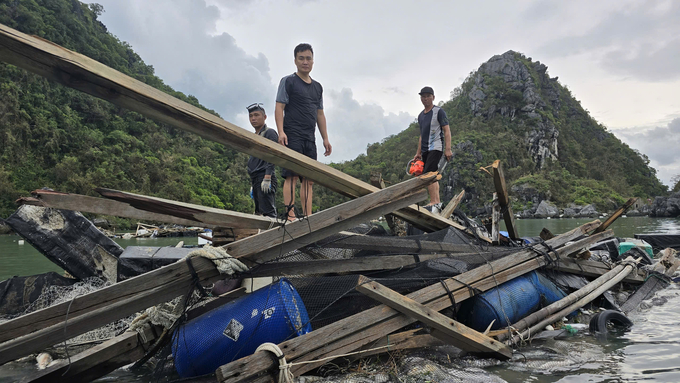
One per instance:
(435, 140)
(262, 177)
(299, 109)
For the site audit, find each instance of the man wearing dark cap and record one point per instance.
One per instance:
(435, 140)
(299, 109)
(262, 177)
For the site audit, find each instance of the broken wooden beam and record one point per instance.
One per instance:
(82, 73)
(619, 212)
(591, 269)
(453, 204)
(363, 328)
(504, 199)
(102, 206)
(389, 244)
(446, 328)
(354, 265)
(658, 278)
(99, 360)
(495, 220)
(275, 242)
(188, 211)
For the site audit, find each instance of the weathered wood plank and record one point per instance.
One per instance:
(591, 269)
(619, 212)
(188, 211)
(351, 333)
(274, 242)
(397, 244)
(495, 220)
(453, 204)
(87, 204)
(405, 340)
(82, 73)
(453, 332)
(383, 262)
(504, 200)
(98, 360)
(654, 282)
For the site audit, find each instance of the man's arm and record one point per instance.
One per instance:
(447, 142)
(419, 154)
(321, 121)
(278, 116)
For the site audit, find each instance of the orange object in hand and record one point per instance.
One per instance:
(415, 168)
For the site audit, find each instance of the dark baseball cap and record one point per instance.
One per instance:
(426, 89)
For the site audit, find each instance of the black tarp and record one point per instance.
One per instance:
(661, 241)
(17, 293)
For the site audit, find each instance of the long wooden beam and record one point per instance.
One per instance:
(448, 330)
(397, 244)
(352, 333)
(619, 212)
(82, 73)
(453, 204)
(503, 199)
(87, 204)
(354, 265)
(591, 269)
(277, 241)
(202, 214)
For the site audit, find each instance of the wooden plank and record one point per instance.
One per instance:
(619, 212)
(495, 220)
(82, 73)
(87, 204)
(448, 330)
(362, 264)
(352, 333)
(188, 211)
(590, 269)
(389, 244)
(453, 204)
(274, 242)
(654, 282)
(92, 319)
(405, 340)
(504, 200)
(164, 284)
(98, 360)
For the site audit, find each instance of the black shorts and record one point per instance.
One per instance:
(431, 160)
(300, 145)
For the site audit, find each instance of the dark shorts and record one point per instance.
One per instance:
(303, 146)
(431, 160)
(265, 203)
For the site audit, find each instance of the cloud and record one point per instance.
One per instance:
(637, 39)
(181, 44)
(659, 144)
(353, 125)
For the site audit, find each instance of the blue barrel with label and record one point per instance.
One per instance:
(271, 314)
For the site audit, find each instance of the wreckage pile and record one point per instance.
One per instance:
(281, 299)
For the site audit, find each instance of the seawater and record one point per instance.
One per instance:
(649, 351)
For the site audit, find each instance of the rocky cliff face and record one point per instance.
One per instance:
(485, 101)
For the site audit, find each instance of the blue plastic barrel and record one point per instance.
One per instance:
(271, 314)
(510, 301)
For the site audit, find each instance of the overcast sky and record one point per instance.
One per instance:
(620, 58)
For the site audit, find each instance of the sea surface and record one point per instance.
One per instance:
(649, 351)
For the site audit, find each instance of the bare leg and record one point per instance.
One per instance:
(306, 196)
(289, 194)
(433, 190)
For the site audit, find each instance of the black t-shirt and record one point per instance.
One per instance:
(302, 103)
